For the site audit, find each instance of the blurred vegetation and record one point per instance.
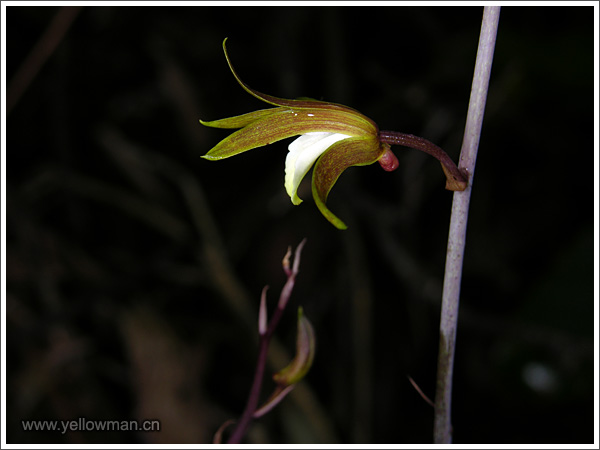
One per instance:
(134, 267)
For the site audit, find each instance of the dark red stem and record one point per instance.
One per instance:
(261, 362)
(252, 404)
(456, 180)
(264, 340)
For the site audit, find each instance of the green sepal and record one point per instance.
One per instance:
(356, 151)
(239, 121)
(300, 103)
(282, 123)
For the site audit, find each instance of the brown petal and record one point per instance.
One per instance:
(357, 151)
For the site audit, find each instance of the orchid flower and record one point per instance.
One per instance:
(332, 137)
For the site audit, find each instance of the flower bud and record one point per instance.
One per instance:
(305, 353)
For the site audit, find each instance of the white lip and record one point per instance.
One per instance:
(303, 153)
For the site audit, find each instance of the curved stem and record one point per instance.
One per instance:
(252, 403)
(456, 180)
(442, 432)
(264, 340)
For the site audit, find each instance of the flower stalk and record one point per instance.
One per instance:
(442, 433)
(456, 180)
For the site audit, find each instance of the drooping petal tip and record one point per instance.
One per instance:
(355, 151)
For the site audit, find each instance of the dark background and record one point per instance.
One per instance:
(134, 267)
